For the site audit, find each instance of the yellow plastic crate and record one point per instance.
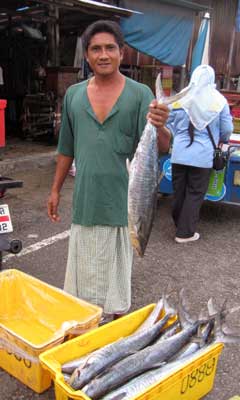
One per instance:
(34, 317)
(236, 125)
(194, 380)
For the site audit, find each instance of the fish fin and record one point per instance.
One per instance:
(169, 309)
(138, 225)
(128, 165)
(211, 308)
(224, 337)
(220, 318)
(183, 314)
(224, 311)
(86, 363)
(139, 244)
(160, 177)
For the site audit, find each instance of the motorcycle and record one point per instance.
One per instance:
(13, 246)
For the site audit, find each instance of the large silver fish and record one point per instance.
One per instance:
(144, 179)
(142, 382)
(113, 352)
(142, 189)
(138, 363)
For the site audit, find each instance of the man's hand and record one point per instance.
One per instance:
(158, 114)
(63, 165)
(52, 206)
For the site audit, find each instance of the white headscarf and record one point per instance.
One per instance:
(202, 102)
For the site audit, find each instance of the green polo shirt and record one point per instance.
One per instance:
(100, 151)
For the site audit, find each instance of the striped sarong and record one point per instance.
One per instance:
(99, 267)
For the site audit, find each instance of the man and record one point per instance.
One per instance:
(102, 121)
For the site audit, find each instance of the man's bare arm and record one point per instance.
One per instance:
(164, 139)
(63, 165)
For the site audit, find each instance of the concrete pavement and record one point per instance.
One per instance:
(19, 155)
(27, 162)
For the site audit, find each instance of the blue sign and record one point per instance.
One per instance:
(167, 169)
(217, 197)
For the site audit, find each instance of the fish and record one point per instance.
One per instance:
(204, 338)
(144, 179)
(153, 316)
(143, 381)
(142, 189)
(70, 366)
(169, 331)
(217, 315)
(186, 354)
(169, 100)
(113, 352)
(151, 356)
(162, 307)
(66, 377)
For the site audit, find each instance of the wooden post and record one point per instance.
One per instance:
(53, 36)
(182, 76)
(57, 37)
(230, 56)
(227, 80)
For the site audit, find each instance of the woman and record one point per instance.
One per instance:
(192, 153)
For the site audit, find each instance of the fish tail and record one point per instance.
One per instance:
(220, 320)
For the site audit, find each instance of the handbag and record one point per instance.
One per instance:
(219, 158)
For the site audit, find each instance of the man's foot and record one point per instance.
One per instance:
(106, 318)
(116, 316)
(193, 238)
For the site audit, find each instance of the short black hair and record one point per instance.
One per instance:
(102, 26)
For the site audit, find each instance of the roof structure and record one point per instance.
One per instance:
(187, 4)
(74, 5)
(73, 15)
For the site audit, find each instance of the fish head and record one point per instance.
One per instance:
(138, 242)
(75, 379)
(79, 377)
(137, 245)
(93, 389)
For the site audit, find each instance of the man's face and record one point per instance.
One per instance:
(103, 54)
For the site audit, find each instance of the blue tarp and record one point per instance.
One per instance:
(238, 18)
(163, 32)
(200, 45)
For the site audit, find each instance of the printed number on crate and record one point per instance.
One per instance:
(26, 362)
(197, 376)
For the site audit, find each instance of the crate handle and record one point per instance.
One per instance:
(61, 383)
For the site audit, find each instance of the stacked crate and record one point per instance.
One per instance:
(236, 119)
(149, 73)
(167, 79)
